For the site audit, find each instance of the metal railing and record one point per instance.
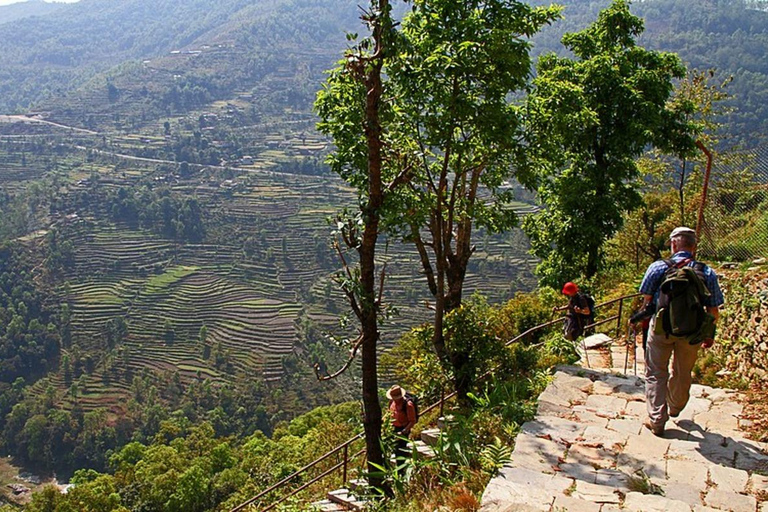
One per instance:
(343, 449)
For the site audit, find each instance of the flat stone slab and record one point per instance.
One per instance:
(626, 426)
(595, 457)
(595, 493)
(538, 453)
(637, 409)
(556, 429)
(582, 472)
(758, 484)
(683, 492)
(637, 502)
(728, 479)
(597, 340)
(608, 403)
(517, 486)
(727, 500)
(608, 439)
(575, 505)
(614, 478)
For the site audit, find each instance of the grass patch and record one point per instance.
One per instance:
(640, 482)
(161, 282)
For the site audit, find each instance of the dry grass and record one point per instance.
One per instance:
(756, 411)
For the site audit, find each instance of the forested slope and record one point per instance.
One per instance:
(46, 56)
(91, 53)
(728, 36)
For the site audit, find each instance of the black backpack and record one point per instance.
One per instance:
(414, 400)
(681, 298)
(591, 305)
(574, 324)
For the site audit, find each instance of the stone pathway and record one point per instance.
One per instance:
(587, 451)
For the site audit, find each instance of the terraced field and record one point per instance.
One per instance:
(266, 264)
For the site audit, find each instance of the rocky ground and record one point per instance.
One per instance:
(587, 450)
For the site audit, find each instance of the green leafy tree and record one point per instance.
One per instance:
(591, 116)
(457, 136)
(706, 94)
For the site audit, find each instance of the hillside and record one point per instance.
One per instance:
(166, 206)
(188, 279)
(175, 57)
(47, 56)
(730, 37)
(17, 11)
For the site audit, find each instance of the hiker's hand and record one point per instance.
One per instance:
(707, 343)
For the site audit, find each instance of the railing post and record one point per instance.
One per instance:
(346, 458)
(618, 320)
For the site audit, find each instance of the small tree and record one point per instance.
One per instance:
(457, 137)
(590, 117)
(351, 108)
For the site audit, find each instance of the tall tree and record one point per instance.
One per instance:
(457, 138)
(590, 117)
(351, 111)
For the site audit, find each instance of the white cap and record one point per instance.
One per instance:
(682, 231)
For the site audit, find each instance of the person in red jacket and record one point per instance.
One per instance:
(403, 418)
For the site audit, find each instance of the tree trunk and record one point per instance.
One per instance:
(681, 191)
(367, 252)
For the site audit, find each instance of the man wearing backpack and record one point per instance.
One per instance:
(402, 406)
(687, 298)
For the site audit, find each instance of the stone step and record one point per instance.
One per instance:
(358, 485)
(346, 499)
(443, 421)
(431, 436)
(597, 340)
(327, 506)
(424, 451)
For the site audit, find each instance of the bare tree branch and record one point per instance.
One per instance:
(353, 353)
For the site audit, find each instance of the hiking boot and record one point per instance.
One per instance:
(658, 430)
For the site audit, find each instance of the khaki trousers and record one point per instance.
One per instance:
(662, 390)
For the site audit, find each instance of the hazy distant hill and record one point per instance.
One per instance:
(213, 49)
(26, 9)
(47, 56)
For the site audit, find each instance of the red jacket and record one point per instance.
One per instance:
(403, 415)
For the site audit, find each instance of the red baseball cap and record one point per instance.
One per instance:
(570, 288)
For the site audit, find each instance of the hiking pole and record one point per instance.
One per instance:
(634, 346)
(634, 349)
(626, 346)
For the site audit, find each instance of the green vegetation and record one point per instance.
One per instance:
(166, 281)
(194, 468)
(725, 36)
(591, 117)
(179, 461)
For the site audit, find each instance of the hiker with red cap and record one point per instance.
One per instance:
(580, 311)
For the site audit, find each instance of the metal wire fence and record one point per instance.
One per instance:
(735, 224)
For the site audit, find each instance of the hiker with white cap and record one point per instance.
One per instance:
(404, 418)
(687, 298)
